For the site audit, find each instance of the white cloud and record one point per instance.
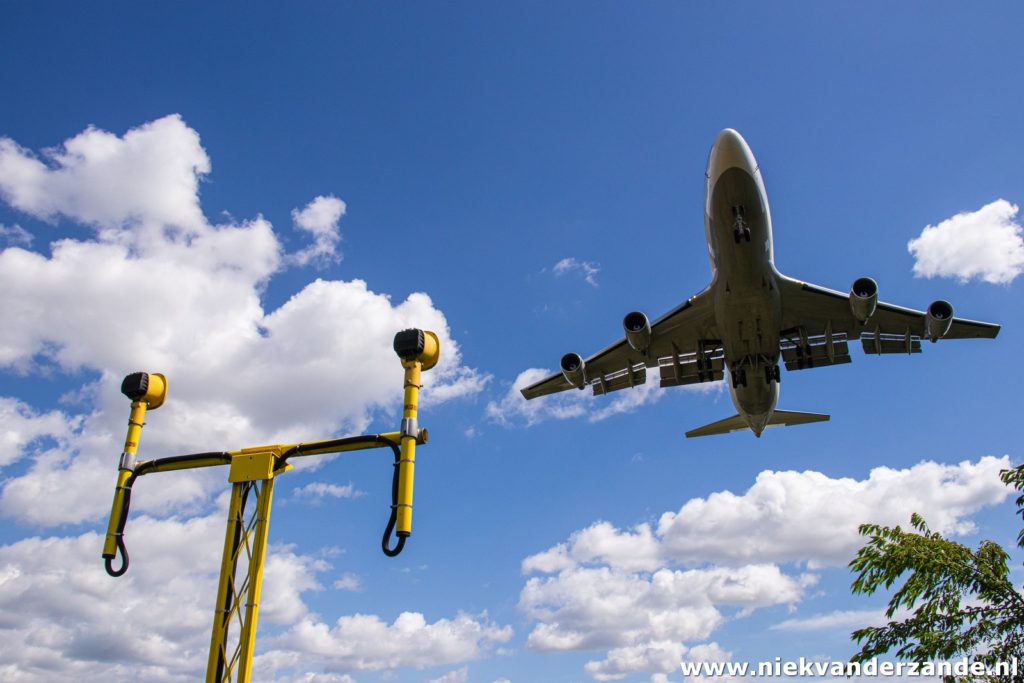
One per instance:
(21, 425)
(367, 643)
(638, 550)
(148, 177)
(842, 620)
(808, 516)
(788, 517)
(456, 676)
(513, 408)
(587, 269)
(616, 589)
(586, 608)
(661, 656)
(319, 489)
(320, 218)
(985, 244)
(348, 582)
(238, 374)
(63, 618)
(15, 235)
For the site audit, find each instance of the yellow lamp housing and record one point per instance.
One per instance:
(418, 346)
(150, 388)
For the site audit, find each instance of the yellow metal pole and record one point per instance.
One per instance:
(407, 463)
(136, 420)
(219, 660)
(247, 641)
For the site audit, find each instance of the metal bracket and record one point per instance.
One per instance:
(410, 428)
(128, 461)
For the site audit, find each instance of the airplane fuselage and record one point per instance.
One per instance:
(744, 285)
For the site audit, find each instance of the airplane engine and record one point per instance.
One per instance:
(638, 331)
(572, 370)
(863, 298)
(939, 317)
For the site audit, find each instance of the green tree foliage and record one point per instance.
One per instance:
(958, 602)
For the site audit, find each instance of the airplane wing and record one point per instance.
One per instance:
(818, 324)
(683, 345)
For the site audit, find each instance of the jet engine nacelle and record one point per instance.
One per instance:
(572, 370)
(638, 331)
(939, 317)
(863, 298)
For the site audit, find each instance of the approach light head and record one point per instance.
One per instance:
(150, 388)
(418, 346)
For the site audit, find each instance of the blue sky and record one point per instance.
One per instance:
(254, 203)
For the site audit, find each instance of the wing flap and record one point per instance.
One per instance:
(816, 353)
(876, 343)
(624, 379)
(691, 370)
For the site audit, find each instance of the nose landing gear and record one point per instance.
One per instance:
(740, 228)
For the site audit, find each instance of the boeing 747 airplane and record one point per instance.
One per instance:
(751, 318)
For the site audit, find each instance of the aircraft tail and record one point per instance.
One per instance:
(780, 418)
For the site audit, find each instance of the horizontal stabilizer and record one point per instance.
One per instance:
(729, 424)
(780, 418)
(787, 418)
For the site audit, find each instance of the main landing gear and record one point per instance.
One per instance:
(771, 374)
(740, 228)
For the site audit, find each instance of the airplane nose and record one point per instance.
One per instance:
(729, 139)
(730, 151)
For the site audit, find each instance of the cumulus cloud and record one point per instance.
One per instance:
(320, 218)
(150, 177)
(150, 250)
(986, 244)
(62, 617)
(788, 517)
(586, 608)
(21, 425)
(629, 590)
(588, 270)
(808, 516)
(367, 643)
(513, 409)
(660, 656)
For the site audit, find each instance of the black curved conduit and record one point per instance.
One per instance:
(385, 544)
(145, 468)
